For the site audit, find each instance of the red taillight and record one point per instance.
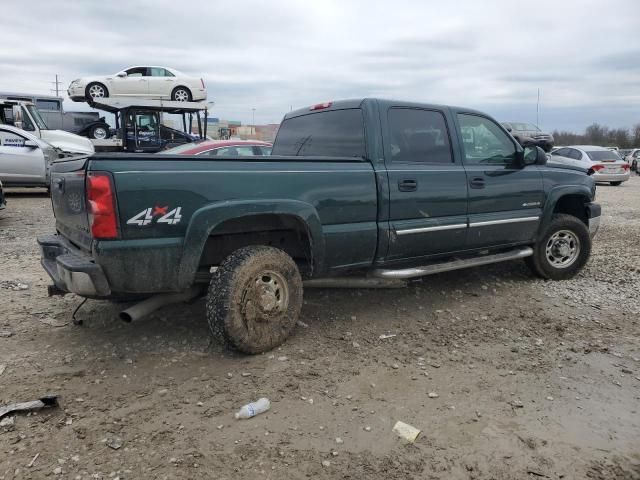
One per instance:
(101, 206)
(202, 82)
(321, 106)
(597, 168)
(625, 166)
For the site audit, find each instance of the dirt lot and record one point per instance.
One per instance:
(533, 379)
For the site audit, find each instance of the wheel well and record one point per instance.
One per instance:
(573, 205)
(285, 232)
(180, 86)
(97, 83)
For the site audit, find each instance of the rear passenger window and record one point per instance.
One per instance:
(334, 133)
(418, 136)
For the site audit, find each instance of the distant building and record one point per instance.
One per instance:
(224, 129)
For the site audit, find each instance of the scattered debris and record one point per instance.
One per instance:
(46, 401)
(114, 442)
(339, 441)
(367, 428)
(13, 285)
(33, 460)
(8, 422)
(2, 369)
(517, 404)
(52, 322)
(326, 463)
(406, 431)
(432, 395)
(302, 324)
(384, 336)
(254, 408)
(283, 358)
(549, 398)
(5, 334)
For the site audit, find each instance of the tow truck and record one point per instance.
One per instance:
(139, 127)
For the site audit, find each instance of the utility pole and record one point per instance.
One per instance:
(538, 110)
(56, 84)
(253, 110)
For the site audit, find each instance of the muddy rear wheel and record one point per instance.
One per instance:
(254, 299)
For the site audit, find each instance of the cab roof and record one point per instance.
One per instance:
(359, 103)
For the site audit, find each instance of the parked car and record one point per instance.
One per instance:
(226, 148)
(25, 160)
(633, 158)
(368, 187)
(529, 134)
(604, 164)
(25, 115)
(142, 81)
(51, 109)
(3, 200)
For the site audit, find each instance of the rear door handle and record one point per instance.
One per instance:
(407, 185)
(476, 182)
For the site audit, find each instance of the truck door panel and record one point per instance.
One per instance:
(20, 164)
(427, 189)
(505, 198)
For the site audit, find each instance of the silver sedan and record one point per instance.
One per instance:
(603, 164)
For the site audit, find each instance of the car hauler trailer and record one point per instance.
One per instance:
(139, 127)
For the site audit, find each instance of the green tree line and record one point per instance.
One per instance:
(596, 134)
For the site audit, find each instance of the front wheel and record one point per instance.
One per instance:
(96, 91)
(254, 299)
(562, 250)
(616, 184)
(99, 132)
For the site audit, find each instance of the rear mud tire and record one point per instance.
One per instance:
(254, 299)
(562, 232)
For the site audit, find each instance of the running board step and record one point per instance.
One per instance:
(454, 264)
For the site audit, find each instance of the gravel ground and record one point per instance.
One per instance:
(505, 375)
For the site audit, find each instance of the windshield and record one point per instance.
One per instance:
(600, 155)
(525, 126)
(37, 117)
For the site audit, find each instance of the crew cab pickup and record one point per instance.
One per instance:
(368, 188)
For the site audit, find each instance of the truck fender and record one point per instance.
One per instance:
(553, 197)
(206, 219)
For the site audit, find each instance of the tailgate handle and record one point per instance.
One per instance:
(60, 183)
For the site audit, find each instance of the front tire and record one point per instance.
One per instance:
(254, 299)
(616, 184)
(181, 94)
(99, 132)
(96, 91)
(562, 250)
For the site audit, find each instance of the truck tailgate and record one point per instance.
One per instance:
(69, 200)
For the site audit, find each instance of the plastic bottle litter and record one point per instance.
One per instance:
(254, 408)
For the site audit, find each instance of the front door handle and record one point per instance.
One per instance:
(407, 185)
(476, 182)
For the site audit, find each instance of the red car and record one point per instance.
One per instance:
(227, 148)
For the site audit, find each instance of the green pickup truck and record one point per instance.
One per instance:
(365, 188)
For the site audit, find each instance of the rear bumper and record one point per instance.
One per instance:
(70, 269)
(611, 177)
(593, 213)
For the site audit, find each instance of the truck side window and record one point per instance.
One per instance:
(48, 105)
(418, 136)
(333, 133)
(485, 142)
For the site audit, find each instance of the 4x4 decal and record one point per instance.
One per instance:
(159, 214)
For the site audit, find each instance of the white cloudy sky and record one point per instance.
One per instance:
(584, 55)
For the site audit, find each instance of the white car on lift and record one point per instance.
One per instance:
(140, 81)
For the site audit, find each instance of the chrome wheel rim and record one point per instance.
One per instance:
(264, 297)
(181, 96)
(96, 91)
(100, 133)
(562, 249)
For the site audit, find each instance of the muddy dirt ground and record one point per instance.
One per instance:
(528, 379)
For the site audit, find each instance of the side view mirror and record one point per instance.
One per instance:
(30, 144)
(509, 129)
(534, 156)
(121, 74)
(18, 124)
